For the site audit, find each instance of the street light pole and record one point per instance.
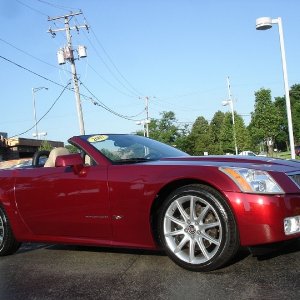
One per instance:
(230, 102)
(34, 90)
(265, 23)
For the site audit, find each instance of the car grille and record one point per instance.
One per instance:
(296, 179)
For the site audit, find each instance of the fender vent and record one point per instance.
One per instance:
(296, 179)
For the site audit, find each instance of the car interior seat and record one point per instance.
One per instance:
(50, 162)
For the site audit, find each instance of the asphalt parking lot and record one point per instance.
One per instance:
(69, 272)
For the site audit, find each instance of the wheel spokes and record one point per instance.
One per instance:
(192, 208)
(192, 250)
(181, 245)
(211, 225)
(203, 214)
(182, 211)
(210, 239)
(203, 249)
(175, 220)
(192, 229)
(174, 233)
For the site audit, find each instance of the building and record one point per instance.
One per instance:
(3, 136)
(14, 148)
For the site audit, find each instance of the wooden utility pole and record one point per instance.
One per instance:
(68, 54)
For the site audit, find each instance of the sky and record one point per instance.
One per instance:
(178, 53)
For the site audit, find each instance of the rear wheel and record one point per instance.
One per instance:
(8, 243)
(197, 228)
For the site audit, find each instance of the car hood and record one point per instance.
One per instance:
(261, 163)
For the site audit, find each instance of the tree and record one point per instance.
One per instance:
(295, 107)
(72, 148)
(280, 102)
(243, 139)
(182, 141)
(226, 134)
(265, 120)
(45, 145)
(199, 137)
(164, 129)
(215, 126)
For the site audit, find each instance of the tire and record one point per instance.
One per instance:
(8, 243)
(200, 239)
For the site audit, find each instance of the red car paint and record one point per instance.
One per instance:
(113, 205)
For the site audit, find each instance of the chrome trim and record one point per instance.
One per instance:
(96, 217)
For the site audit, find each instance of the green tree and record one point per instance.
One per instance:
(182, 141)
(283, 137)
(295, 104)
(45, 145)
(199, 138)
(226, 134)
(165, 129)
(243, 139)
(72, 148)
(215, 147)
(242, 136)
(265, 120)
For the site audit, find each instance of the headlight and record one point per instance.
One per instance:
(253, 181)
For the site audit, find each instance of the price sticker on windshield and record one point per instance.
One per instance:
(97, 138)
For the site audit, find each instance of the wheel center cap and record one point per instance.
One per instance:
(191, 229)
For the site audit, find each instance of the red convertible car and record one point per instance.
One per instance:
(133, 192)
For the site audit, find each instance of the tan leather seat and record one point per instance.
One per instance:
(50, 162)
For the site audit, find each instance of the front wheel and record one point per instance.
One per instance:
(197, 228)
(8, 243)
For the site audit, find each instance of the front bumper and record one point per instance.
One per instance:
(260, 218)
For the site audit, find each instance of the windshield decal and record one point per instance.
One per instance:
(97, 138)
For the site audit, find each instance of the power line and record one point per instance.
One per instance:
(110, 70)
(56, 6)
(34, 9)
(45, 114)
(109, 83)
(96, 101)
(30, 71)
(133, 89)
(56, 83)
(32, 56)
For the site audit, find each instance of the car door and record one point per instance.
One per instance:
(58, 202)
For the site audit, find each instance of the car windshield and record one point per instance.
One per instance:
(129, 148)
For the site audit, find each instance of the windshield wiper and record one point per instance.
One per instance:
(133, 160)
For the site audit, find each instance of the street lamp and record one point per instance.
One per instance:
(40, 134)
(34, 90)
(230, 102)
(145, 124)
(265, 23)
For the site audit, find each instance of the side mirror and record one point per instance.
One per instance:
(70, 160)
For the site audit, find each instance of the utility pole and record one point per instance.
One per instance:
(147, 115)
(67, 53)
(147, 120)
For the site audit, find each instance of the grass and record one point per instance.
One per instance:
(284, 155)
